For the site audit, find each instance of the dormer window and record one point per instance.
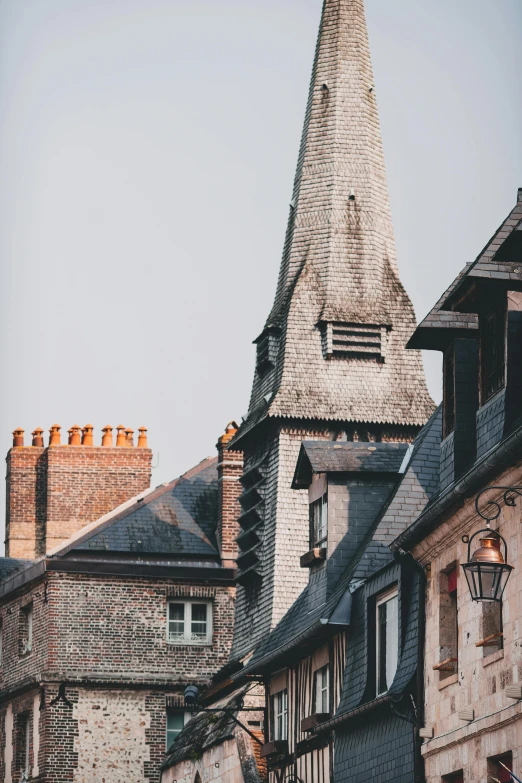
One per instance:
(492, 350)
(318, 516)
(344, 340)
(266, 350)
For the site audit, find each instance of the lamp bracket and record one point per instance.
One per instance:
(509, 497)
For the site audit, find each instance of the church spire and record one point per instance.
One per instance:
(333, 347)
(331, 360)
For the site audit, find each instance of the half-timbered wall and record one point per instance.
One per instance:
(309, 757)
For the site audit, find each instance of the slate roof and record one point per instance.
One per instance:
(501, 259)
(10, 565)
(178, 518)
(339, 259)
(320, 456)
(440, 326)
(413, 492)
(203, 731)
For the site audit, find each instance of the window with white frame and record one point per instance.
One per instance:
(189, 622)
(322, 686)
(319, 521)
(280, 715)
(176, 721)
(387, 639)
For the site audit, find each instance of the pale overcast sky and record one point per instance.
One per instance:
(147, 153)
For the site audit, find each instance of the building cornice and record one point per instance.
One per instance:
(487, 724)
(125, 569)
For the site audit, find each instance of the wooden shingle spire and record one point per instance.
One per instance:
(333, 347)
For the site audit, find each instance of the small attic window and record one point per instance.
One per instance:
(266, 350)
(353, 341)
(263, 354)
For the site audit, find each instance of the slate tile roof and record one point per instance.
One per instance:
(203, 731)
(10, 565)
(339, 260)
(320, 456)
(441, 326)
(418, 484)
(178, 518)
(501, 259)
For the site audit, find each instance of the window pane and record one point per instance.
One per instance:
(176, 621)
(381, 649)
(319, 513)
(284, 706)
(27, 744)
(392, 639)
(175, 723)
(280, 708)
(387, 643)
(199, 620)
(30, 628)
(321, 698)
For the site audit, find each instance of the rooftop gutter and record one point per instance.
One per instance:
(496, 459)
(225, 576)
(259, 666)
(338, 720)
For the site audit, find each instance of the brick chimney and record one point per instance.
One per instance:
(230, 470)
(54, 491)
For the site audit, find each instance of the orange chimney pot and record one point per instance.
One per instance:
(142, 438)
(107, 435)
(230, 431)
(18, 437)
(120, 437)
(87, 437)
(54, 432)
(74, 435)
(38, 437)
(129, 438)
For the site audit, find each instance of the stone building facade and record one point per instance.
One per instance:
(101, 635)
(473, 666)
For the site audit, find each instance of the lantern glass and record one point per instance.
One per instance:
(486, 581)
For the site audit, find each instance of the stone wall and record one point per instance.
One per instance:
(481, 677)
(20, 666)
(119, 629)
(101, 673)
(111, 743)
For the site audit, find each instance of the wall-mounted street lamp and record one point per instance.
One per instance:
(487, 570)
